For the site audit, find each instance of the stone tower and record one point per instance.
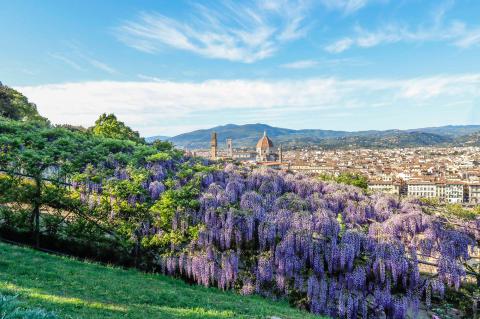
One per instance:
(229, 148)
(213, 146)
(280, 154)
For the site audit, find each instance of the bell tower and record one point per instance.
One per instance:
(229, 148)
(213, 146)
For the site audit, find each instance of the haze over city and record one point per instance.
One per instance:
(169, 67)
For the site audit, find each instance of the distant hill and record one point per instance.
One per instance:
(152, 139)
(450, 130)
(387, 140)
(247, 136)
(469, 140)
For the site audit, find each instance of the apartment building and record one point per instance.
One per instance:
(450, 192)
(387, 187)
(474, 193)
(305, 168)
(421, 189)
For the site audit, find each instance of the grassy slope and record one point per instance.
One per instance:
(76, 289)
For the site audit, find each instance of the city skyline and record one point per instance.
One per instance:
(166, 68)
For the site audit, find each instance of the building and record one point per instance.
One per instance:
(474, 193)
(264, 152)
(423, 189)
(274, 165)
(265, 149)
(450, 192)
(305, 168)
(229, 148)
(213, 146)
(244, 156)
(387, 187)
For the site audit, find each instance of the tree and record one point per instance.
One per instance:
(15, 106)
(354, 179)
(109, 126)
(162, 145)
(49, 156)
(33, 151)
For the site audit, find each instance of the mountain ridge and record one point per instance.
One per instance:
(245, 136)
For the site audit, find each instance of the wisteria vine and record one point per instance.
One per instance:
(330, 248)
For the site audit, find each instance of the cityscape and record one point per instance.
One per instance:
(449, 175)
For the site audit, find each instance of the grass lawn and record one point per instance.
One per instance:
(76, 289)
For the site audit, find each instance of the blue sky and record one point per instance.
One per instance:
(166, 67)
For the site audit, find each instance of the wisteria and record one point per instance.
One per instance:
(155, 189)
(275, 233)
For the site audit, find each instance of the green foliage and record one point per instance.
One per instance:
(75, 289)
(35, 150)
(11, 308)
(15, 106)
(162, 146)
(430, 201)
(347, 178)
(457, 210)
(55, 154)
(161, 156)
(464, 299)
(51, 155)
(342, 224)
(164, 209)
(108, 126)
(175, 201)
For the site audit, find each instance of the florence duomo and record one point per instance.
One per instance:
(264, 153)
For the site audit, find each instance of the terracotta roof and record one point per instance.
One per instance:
(264, 142)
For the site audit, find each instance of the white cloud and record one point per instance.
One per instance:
(80, 61)
(340, 45)
(67, 61)
(324, 63)
(346, 6)
(302, 64)
(469, 39)
(165, 107)
(150, 78)
(246, 33)
(100, 65)
(455, 32)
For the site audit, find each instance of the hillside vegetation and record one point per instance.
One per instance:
(75, 289)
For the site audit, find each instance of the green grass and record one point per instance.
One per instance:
(76, 289)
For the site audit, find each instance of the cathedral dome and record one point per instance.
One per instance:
(264, 143)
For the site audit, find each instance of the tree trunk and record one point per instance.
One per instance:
(36, 210)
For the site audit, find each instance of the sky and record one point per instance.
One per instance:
(167, 67)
